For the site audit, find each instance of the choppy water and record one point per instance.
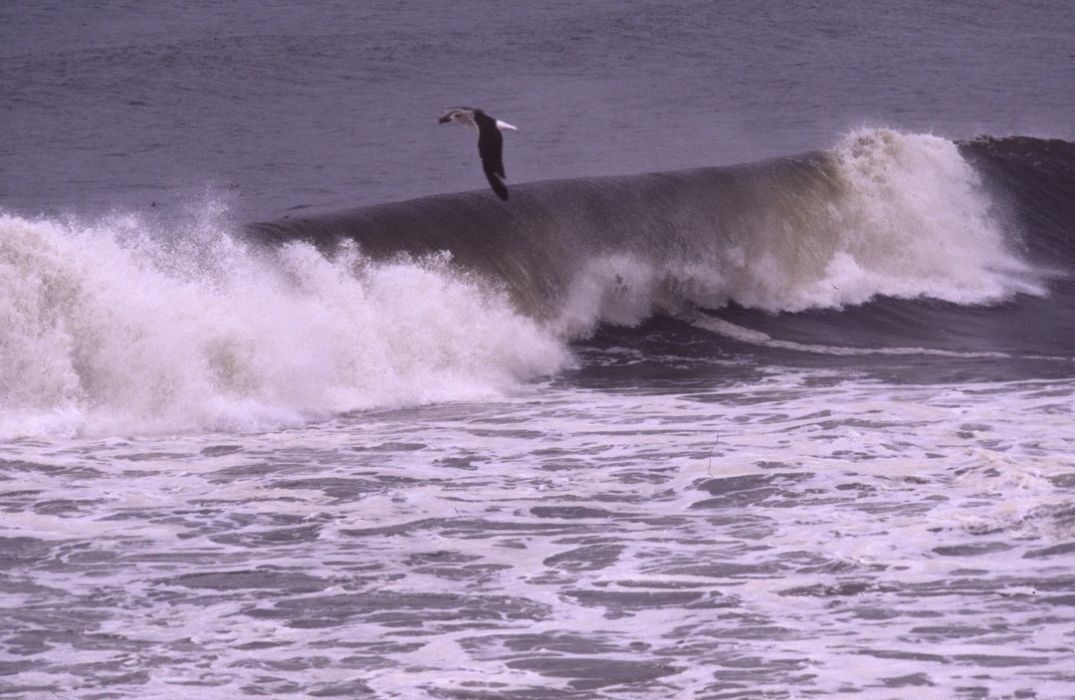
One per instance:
(793, 536)
(801, 427)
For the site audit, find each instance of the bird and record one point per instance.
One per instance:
(490, 142)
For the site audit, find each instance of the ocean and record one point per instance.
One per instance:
(759, 385)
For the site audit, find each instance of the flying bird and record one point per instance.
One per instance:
(490, 142)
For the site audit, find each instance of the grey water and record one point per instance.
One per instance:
(228, 472)
(334, 105)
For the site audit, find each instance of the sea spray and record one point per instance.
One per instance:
(116, 328)
(121, 325)
(883, 214)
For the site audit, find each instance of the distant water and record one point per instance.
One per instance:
(760, 385)
(268, 106)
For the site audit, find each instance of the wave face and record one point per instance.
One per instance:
(889, 244)
(939, 229)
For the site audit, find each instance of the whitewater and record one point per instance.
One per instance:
(127, 326)
(109, 330)
(761, 385)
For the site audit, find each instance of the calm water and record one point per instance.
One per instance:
(275, 105)
(801, 427)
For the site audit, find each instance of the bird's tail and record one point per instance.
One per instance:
(504, 125)
(497, 183)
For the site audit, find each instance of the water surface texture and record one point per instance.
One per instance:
(760, 385)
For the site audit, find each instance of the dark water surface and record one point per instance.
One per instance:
(278, 105)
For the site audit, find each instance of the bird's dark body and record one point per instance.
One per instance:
(491, 150)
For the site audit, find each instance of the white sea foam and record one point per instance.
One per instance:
(897, 215)
(861, 530)
(115, 327)
(917, 222)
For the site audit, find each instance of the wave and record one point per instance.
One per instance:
(883, 214)
(117, 327)
(886, 242)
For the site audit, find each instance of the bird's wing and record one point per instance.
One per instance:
(491, 150)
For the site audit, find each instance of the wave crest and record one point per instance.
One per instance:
(105, 332)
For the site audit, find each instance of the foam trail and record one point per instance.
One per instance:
(115, 328)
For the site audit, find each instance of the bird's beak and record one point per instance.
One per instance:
(443, 120)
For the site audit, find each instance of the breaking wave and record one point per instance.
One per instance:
(125, 326)
(114, 328)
